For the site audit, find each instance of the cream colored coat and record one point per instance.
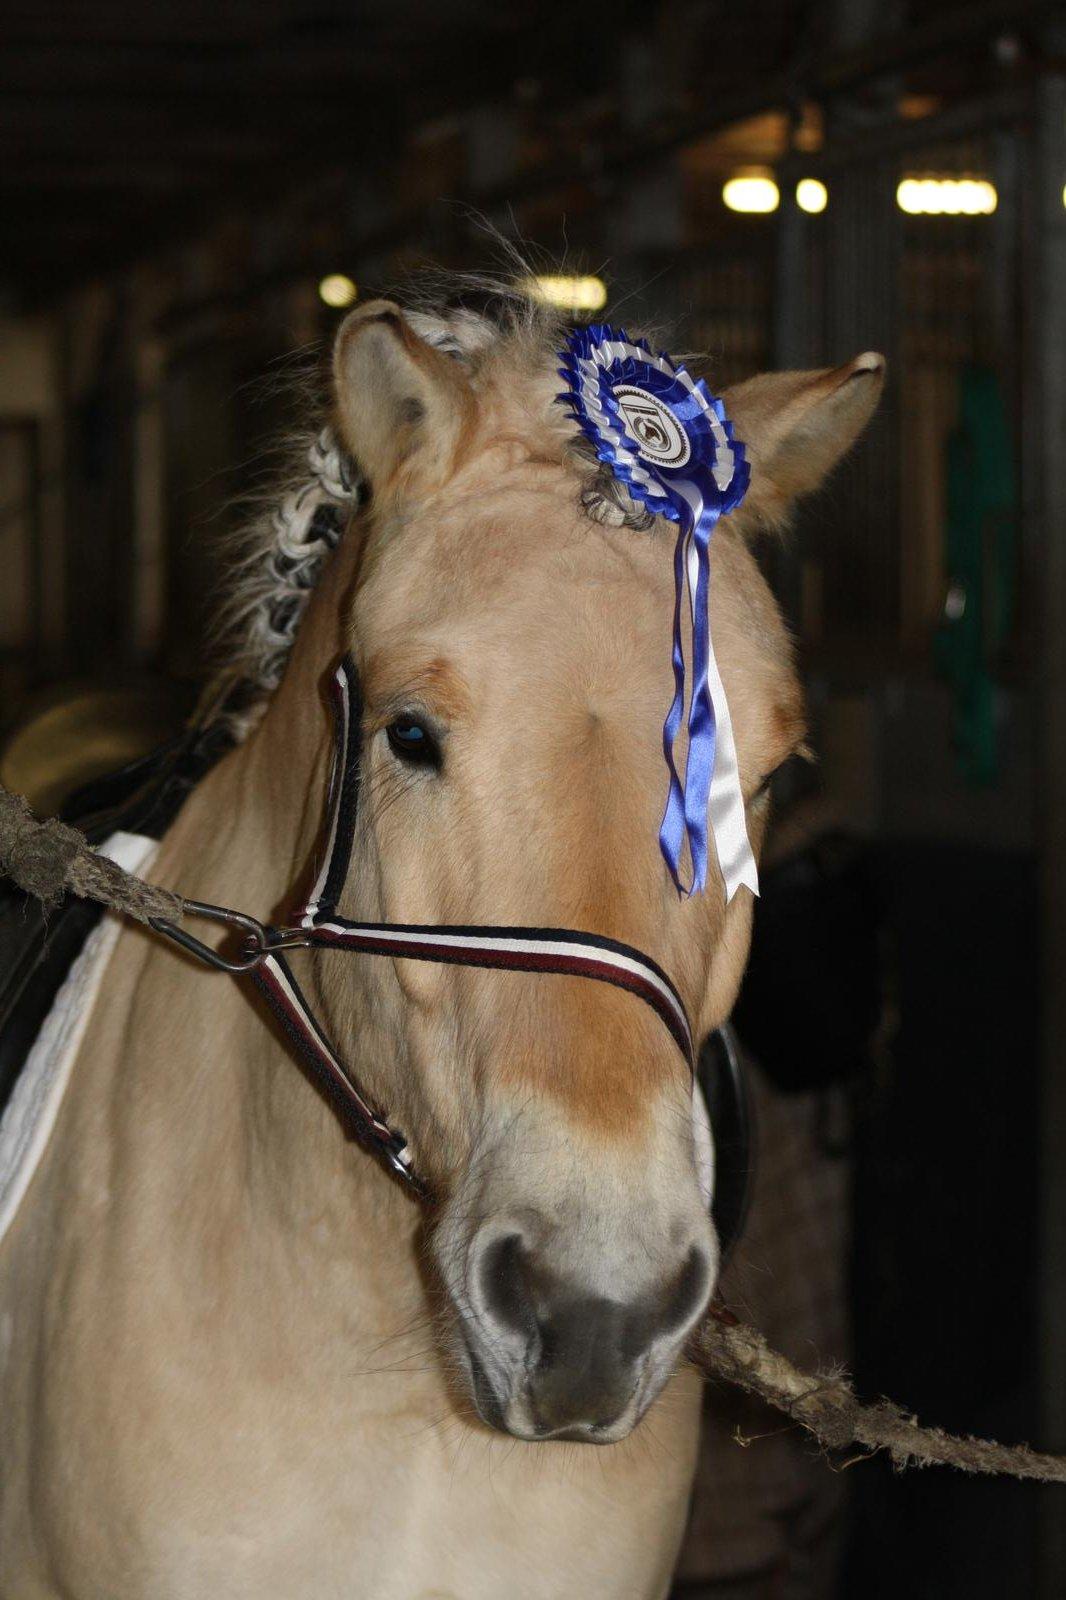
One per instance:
(227, 1353)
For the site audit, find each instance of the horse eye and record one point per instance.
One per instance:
(801, 753)
(413, 742)
(767, 783)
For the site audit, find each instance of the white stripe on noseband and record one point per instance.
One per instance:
(555, 949)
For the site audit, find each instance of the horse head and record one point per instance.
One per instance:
(509, 613)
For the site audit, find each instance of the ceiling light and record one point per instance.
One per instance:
(946, 197)
(338, 291)
(570, 294)
(751, 191)
(812, 195)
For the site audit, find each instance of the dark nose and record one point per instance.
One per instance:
(583, 1352)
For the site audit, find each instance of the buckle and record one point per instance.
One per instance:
(393, 1150)
(256, 943)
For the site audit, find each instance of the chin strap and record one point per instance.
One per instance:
(275, 980)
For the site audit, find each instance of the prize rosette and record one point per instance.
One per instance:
(668, 439)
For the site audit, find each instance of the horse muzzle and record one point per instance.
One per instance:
(551, 1359)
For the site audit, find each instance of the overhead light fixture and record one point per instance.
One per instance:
(338, 290)
(752, 191)
(812, 195)
(946, 197)
(571, 294)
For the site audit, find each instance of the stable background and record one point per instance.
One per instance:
(188, 197)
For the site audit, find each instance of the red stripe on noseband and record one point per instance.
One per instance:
(565, 965)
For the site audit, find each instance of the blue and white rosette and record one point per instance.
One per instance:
(668, 438)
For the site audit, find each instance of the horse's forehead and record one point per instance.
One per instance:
(534, 526)
(507, 554)
(525, 570)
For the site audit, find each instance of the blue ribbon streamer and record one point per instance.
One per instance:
(603, 360)
(687, 805)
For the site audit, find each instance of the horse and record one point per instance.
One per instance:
(235, 1358)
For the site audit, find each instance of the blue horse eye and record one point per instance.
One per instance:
(413, 742)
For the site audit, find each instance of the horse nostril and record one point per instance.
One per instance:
(504, 1274)
(685, 1296)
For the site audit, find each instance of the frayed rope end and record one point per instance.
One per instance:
(46, 859)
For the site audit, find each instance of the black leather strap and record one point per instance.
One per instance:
(720, 1071)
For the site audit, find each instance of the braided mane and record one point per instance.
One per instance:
(281, 554)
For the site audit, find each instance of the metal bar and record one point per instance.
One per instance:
(1045, 435)
(863, 146)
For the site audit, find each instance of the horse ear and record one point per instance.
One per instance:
(402, 405)
(797, 425)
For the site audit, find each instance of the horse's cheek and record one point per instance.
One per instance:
(727, 964)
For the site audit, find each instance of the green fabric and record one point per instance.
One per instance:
(980, 538)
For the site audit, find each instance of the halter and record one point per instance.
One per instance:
(316, 923)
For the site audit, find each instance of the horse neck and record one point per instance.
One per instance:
(247, 838)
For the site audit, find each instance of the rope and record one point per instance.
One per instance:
(47, 859)
(825, 1404)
